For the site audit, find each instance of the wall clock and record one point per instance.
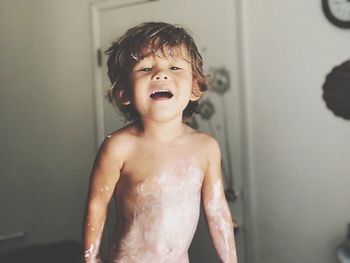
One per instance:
(337, 12)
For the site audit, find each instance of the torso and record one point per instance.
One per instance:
(157, 201)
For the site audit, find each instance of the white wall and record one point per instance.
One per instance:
(299, 151)
(47, 119)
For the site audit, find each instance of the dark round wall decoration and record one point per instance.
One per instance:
(336, 90)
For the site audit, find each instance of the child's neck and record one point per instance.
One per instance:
(164, 131)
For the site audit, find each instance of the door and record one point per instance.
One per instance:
(212, 25)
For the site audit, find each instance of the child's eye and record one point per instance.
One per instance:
(146, 69)
(174, 68)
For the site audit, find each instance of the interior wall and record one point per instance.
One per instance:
(47, 119)
(298, 150)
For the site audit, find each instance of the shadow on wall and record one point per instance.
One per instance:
(60, 252)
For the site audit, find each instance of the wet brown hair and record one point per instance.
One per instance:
(126, 51)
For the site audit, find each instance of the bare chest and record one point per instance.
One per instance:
(162, 165)
(158, 197)
(160, 179)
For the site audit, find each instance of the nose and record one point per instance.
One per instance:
(160, 75)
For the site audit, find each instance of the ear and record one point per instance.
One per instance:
(196, 91)
(123, 97)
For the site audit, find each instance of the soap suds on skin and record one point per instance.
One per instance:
(165, 214)
(220, 214)
(90, 255)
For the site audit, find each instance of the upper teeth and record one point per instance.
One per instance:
(161, 90)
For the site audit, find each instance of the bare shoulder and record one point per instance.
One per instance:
(208, 149)
(206, 141)
(118, 144)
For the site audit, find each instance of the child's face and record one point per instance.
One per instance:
(162, 84)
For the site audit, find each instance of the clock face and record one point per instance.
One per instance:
(337, 12)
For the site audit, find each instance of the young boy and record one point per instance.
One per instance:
(157, 169)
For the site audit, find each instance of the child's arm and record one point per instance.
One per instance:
(104, 176)
(216, 209)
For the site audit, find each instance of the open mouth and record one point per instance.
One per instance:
(161, 95)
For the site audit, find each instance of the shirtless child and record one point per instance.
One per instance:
(157, 169)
